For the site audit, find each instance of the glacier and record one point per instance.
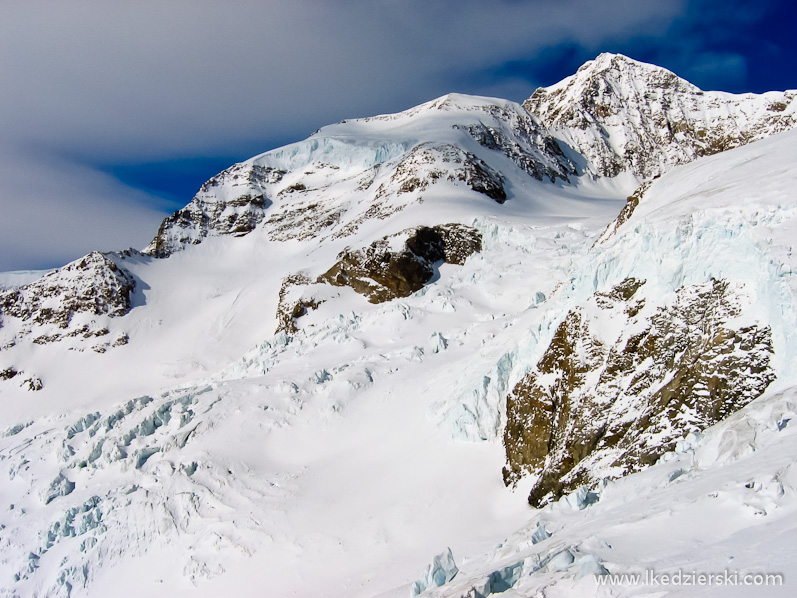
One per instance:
(210, 453)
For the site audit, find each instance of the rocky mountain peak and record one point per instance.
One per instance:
(71, 302)
(599, 85)
(619, 71)
(627, 116)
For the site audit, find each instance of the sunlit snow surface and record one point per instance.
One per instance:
(725, 500)
(210, 457)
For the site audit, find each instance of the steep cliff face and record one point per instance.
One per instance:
(231, 203)
(624, 115)
(625, 377)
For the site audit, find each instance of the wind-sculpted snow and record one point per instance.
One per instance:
(621, 115)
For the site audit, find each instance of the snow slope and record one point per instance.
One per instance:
(269, 459)
(206, 444)
(723, 499)
(20, 277)
(208, 455)
(720, 504)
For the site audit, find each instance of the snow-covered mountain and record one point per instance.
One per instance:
(349, 174)
(627, 116)
(350, 354)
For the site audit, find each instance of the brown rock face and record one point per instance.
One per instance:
(288, 308)
(604, 404)
(381, 273)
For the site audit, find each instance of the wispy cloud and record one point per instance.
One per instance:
(54, 211)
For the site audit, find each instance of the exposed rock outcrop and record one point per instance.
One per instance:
(292, 304)
(231, 203)
(624, 379)
(94, 285)
(390, 268)
(429, 163)
(8, 373)
(524, 141)
(33, 384)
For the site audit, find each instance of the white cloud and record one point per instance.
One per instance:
(54, 211)
(122, 77)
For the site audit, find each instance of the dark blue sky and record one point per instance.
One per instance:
(112, 117)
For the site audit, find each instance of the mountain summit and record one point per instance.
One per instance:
(624, 115)
(468, 349)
